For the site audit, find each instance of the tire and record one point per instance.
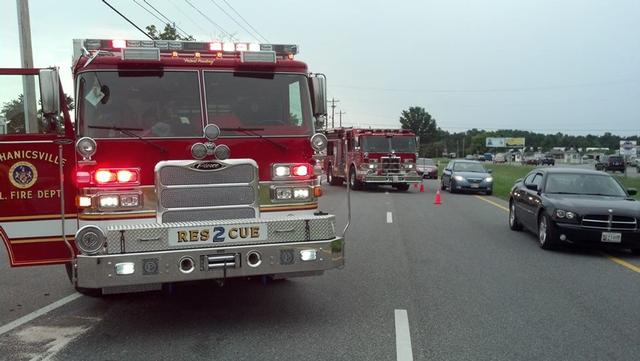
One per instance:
(547, 233)
(514, 225)
(402, 187)
(353, 182)
(452, 186)
(331, 179)
(488, 193)
(442, 186)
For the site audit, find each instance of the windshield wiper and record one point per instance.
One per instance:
(129, 132)
(253, 131)
(563, 193)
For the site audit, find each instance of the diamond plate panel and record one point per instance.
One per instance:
(153, 237)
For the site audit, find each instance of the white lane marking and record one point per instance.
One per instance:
(389, 217)
(403, 336)
(37, 313)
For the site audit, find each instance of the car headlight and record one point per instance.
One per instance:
(488, 179)
(458, 178)
(562, 214)
(372, 165)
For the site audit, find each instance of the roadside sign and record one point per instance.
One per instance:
(505, 142)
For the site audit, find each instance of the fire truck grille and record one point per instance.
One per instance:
(202, 214)
(218, 196)
(390, 164)
(206, 190)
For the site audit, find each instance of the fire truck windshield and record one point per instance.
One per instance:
(383, 144)
(158, 104)
(276, 104)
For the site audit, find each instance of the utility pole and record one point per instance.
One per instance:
(340, 117)
(333, 107)
(26, 57)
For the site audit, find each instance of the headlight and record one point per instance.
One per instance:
(319, 142)
(284, 193)
(282, 171)
(372, 165)
(458, 178)
(488, 179)
(86, 147)
(301, 193)
(408, 166)
(561, 213)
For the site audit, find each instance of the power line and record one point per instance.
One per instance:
(197, 24)
(234, 19)
(184, 33)
(148, 11)
(211, 21)
(245, 20)
(127, 19)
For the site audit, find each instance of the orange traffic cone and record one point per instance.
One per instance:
(438, 200)
(421, 187)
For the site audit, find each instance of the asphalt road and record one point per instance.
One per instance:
(472, 290)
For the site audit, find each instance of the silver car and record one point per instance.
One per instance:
(467, 176)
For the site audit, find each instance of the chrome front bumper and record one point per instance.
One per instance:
(164, 267)
(147, 254)
(391, 178)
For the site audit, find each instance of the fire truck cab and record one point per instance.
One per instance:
(372, 156)
(185, 161)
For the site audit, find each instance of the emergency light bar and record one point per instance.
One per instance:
(188, 46)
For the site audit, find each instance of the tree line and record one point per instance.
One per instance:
(434, 141)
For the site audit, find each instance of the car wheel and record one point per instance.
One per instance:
(402, 187)
(353, 182)
(452, 186)
(513, 219)
(488, 193)
(547, 235)
(442, 186)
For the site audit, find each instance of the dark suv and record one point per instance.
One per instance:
(611, 163)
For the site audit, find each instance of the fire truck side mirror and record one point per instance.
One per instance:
(50, 91)
(318, 83)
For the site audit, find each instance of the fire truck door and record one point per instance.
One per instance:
(339, 152)
(36, 149)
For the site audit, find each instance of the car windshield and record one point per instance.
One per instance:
(425, 162)
(266, 103)
(388, 144)
(585, 184)
(468, 167)
(403, 144)
(375, 144)
(147, 104)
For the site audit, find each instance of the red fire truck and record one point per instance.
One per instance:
(186, 161)
(372, 156)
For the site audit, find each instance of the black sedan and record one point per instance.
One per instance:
(575, 206)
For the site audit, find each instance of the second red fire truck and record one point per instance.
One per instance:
(372, 156)
(186, 161)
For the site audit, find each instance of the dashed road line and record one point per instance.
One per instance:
(389, 217)
(37, 313)
(614, 259)
(403, 336)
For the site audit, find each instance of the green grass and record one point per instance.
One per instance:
(504, 176)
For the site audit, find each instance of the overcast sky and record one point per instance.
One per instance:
(543, 65)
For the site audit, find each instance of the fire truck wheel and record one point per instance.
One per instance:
(402, 187)
(353, 182)
(331, 179)
(91, 292)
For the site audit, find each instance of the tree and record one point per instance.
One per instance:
(169, 33)
(13, 113)
(423, 125)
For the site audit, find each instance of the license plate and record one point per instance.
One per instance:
(475, 185)
(611, 237)
(181, 236)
